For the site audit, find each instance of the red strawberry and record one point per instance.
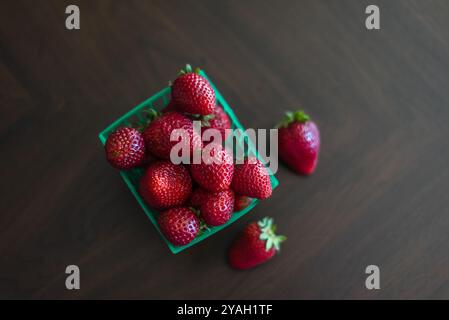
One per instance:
(241, 202)
(157, 134)
(165, 185)
(252, 179)
(299, 142)
(215, 207)
(216, 169)
(179, 225)
(257, 244)
(192, 93)
(125, 148)
(218, 120)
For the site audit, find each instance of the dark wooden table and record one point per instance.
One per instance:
(379, 196)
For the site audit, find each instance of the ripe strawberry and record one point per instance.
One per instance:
(216, 169)
(251, 179)
(257, 244)
(241, 202)
(219, 121)
(157, 134)
(165, 185)
(125, 148)
(299, 142)
(179, 225)
(215, 207)
(192, 93)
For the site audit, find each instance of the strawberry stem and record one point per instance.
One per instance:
(205, 120)
(188, 69)
(268, 233)
(290, 117)
(301, 116)
(150, 115)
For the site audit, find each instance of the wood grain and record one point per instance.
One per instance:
(379, 195)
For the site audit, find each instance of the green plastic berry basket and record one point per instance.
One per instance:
(132, 177)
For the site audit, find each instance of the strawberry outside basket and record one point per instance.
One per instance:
(132, 177)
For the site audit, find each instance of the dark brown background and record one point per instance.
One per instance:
(379, 196)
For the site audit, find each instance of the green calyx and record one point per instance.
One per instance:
(188, 69)
(203, 227)
(205, 120)
(268, 234)
(150, 115)
(296, 116)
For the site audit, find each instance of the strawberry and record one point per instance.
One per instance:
(299, 142)
(256, 244)
(192, 93)
(179, 225)
(157, 134)
(218, 120)
(251, 179)
(125, 148)
(165, 185)
(216, 169)
(241, 202)
(215, 207)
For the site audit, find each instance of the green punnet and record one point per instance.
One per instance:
(268, 233)
(290, 117)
